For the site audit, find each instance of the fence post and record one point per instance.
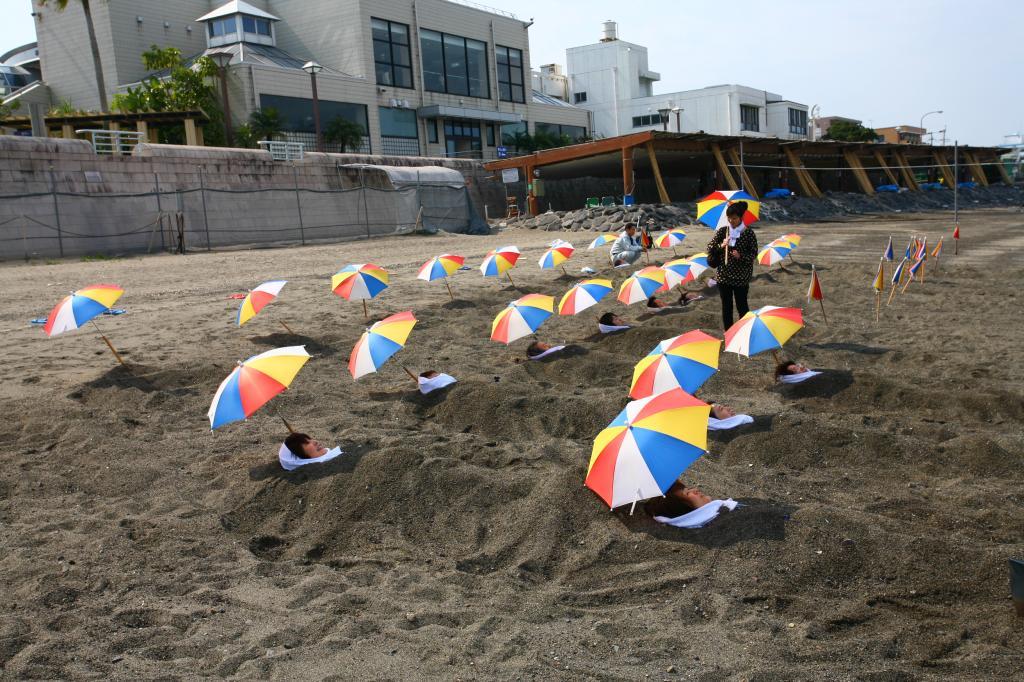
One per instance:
(298, 204)
(366, 210)
(159, 210)
(206, 219)
(56, 212)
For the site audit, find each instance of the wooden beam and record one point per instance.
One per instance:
(748, 186)
(858, 171)
(880, 159)
(191, 138)
(531, 197)
(723, 167)
(1001, 167)
(574, 151)
(67, 131)
(662, 192)
(627, 170)
(905, 172)
(977, 170)
(803, 176)
(947, 172)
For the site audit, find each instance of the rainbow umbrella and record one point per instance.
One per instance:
(359, 282)
(669, 239)
(257, 299)
(711, 209)
(684, 361)
(554, 257)
(763, 329)
(683, 270)
(584, 295)
(82, 306)
(254, 382)
(772, 254)
(380, 342)
(522, 317)
(500, 261)
(606, 238)
(440, 267)
(646, 448)
(792, 237)
(642, 284)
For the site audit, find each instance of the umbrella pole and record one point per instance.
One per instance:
(286, 424)
(449, 288)
(509, 275)
(287, 327)
(564, 272)
(411, 375)
(775, 354)
(365, 313)
(109, 345)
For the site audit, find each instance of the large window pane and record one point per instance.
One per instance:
(383, 74)
(509, 132)
(403, 77)
(399, 34)
(379, 28)
(456, 79)
(433, 61)
(297, 112)
(391, 53)
(476, 66)
(400, 55)
(398, 122)
(510, 74)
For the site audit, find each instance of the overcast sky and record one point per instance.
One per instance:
(885, 62)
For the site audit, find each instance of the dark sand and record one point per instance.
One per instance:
(455, 540)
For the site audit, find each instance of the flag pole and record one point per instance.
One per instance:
(956, 192)
(878, 304)
(822, 304)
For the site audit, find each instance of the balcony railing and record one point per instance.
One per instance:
(283, 151)
(113, 141)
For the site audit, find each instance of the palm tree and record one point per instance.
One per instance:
(344, 133)
(265, 123)
(101, 87)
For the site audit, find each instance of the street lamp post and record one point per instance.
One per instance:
(222, 58)
(664, 118)
(678, 112)
(921, 125)
(312, 68)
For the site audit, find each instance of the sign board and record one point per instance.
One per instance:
(502, 152)
(509, 175)
(93, 176)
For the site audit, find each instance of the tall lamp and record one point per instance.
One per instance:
(664, 118)
(312, 68)
(222, 58)
(678, 111)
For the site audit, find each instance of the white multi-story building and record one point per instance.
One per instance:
(612, 79)
(422, 77)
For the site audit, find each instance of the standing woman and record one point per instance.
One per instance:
(735, 267)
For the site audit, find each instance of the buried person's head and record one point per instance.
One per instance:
(612, 320)
(429, 374)
(301, 445)
(789, 367)
(537, 348)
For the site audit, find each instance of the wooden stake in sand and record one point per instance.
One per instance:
(878, 304)
(109, 345)
(366, 313)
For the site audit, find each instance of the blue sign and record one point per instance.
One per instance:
(502, 152)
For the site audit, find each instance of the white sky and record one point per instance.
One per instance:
(885, 62)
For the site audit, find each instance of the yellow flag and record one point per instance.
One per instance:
(879, 284)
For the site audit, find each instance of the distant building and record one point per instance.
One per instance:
(612, 79)
(18, 67)
(901, 134)
(433, 78)
(823, 123)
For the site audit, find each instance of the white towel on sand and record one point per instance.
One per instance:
(609, 328)
(797, 378)
(549, 351)
(290, 461)
(729, 423)
(699, 517)
(434, 383)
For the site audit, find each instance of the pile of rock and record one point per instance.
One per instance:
(607, 218)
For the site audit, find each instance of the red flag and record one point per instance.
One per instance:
(814, 291)
(956, 231)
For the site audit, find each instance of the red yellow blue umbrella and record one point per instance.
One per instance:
(646, 448)
(499, 261)
(359, 282)
(711, 209)
(82, 306)
(559, 252)
(380, 342)
(685, 361)
(683, 270)
(440, 267)
(642, 284)
(522, 317)
(766, 328)
(604, 239)
(257, 299)
(254, 382)
(669, 239)
(772, 254)
(583, 295)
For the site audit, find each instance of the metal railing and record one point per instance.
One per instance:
(283, 151)
(113, 141)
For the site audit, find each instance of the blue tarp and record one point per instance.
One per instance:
(967, 185)
(777, 193)
(887, 188)
(931, 186)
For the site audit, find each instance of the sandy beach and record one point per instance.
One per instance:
(455, 538)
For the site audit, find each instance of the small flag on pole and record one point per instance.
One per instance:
(814, 292)
(922, 249)
(938, 249)
(956, 239)
(911, 247)
(879, 285)
(888, 251)
(912, 273)
(897, 275)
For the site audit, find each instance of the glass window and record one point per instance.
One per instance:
(574, 133)
(644, 121)
(391, 59)
(433, 61)
(251, 24)
(490, 134)
(476, 66)
(579, 97)
(511, 132)
(510, 74)
(398, 122)
(454, 65)
(749, 119)
(297, 112)
(455, 75)
(222, 27)
(432, 130)
(798, 121)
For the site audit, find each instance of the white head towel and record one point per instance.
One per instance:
(699, 517)
(734, 233)
(290, 461)
(797, 378)
(609, 328)
(434, 383)
(549, 351)
(729, 423)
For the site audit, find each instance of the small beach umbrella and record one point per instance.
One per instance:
(772, 254)
(642, 284)
(647, 447)
(522, 317)
(359, 282)
(766, 328)
(683, 270)
(380, 342)
(669, 239)
(257, 299)
(500, 261)
(584, 295)
(685, 361)
(254, 382)
(711, 209)
(793, 238)
(559, 252)
(440, 267)
(81, 307)
(604, 239)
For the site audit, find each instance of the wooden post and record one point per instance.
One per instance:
(748, 186)
(142, 127)
(627, 170)
(67, 131)
(662, 192)
(531, 197)
(947, 173)
(723, 167)
(977, 171)
(858, 171)
(906, 172)
(885, 167)
(191, 138)
(807, 184)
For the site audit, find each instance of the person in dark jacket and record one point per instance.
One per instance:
(735, 261)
